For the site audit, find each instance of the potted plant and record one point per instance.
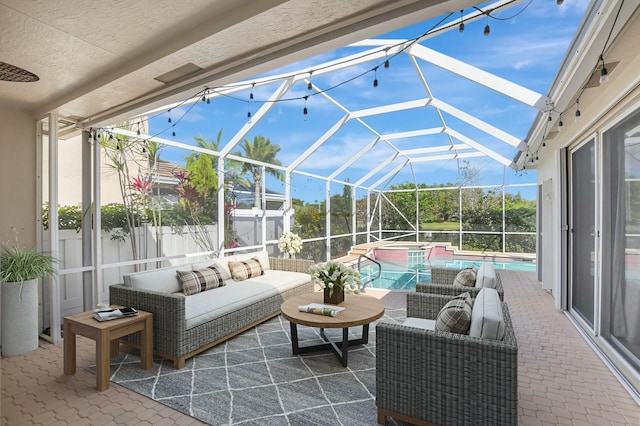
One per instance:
(336, 279)
(20, 269)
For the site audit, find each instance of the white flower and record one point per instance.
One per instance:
(333, 274)
(290, 243)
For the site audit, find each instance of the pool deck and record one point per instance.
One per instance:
(561, 380)
(435, 250)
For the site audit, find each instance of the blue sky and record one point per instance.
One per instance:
(526, 49)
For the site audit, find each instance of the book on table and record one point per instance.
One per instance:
(320, 309)
(112, 314)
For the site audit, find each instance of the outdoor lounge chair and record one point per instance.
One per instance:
(425, 376)
(442, 283)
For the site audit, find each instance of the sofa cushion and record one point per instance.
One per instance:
(486, 276)
(487, 320)
(222, 265)
(455, 316)
(164, 280)
(209, 305)
(262, 256)
(425, 324)
(466, 277)
(199, 280)
(244, 269)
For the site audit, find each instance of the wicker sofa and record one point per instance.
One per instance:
(426, 377)
(184, 326)
(442, 283)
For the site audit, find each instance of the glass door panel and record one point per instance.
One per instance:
(582, 218)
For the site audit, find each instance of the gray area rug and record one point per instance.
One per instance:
(253, 379)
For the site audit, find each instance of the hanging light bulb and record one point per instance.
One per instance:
(386, 63)
(559, 2)
(560, 124)
(173, 133)
(309, 86)
(461, 26)
(604, 73)
(487, 28)
(578, 114)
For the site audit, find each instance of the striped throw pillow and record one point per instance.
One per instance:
(466, 278)
(245, 269)
(455, 316)
(199, 280)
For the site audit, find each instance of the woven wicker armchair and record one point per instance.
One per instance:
(425, 377)
(442, 283)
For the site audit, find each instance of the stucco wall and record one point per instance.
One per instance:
(17, 175)
(601, 107)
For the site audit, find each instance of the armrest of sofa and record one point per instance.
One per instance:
(291, 265)
(167, 309)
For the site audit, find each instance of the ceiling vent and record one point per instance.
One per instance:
(10, 72)
(180, 73)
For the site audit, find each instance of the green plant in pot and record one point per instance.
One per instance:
(20, 269)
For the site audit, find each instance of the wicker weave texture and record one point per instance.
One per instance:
(170, 336)
(442, 283)
(444, 378)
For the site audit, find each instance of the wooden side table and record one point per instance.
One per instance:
(107, 335)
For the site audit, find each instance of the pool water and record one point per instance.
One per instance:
(403, 276)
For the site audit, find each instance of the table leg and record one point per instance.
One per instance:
(69, 349)
(146, 344)
(114, 347)
(294, 338)
(102, 360)
(345, 346)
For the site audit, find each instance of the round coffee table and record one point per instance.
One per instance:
(359, 310)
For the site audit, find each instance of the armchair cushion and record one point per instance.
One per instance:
(466, 278)
(455, 316)
(425, 324)
(486, 276)
(487, 320)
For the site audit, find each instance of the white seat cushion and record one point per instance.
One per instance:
(425, 324)
(209, 305)
(486, 276)
(487, 320)
(164, 280)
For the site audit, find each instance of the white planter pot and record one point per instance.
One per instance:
(19, 318)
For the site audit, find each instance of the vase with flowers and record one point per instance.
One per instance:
(336, 279)
(290, 244)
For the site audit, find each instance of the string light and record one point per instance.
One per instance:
(305, 111)
(604, 73)
(169, 119)
(578, 114)
(375, 79)
(461, 26)
(560, 124)
(487, 28)
(251, 94)
(559, 2)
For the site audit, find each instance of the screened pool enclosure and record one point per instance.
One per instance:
(369, 143)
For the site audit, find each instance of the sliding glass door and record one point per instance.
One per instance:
(621, 238)
(582, 226)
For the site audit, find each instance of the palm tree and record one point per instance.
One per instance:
(264, 151)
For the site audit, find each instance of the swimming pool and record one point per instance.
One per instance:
(404, 275)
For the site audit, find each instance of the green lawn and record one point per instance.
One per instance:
(439, 226)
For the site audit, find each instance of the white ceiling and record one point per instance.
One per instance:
(97, 60)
